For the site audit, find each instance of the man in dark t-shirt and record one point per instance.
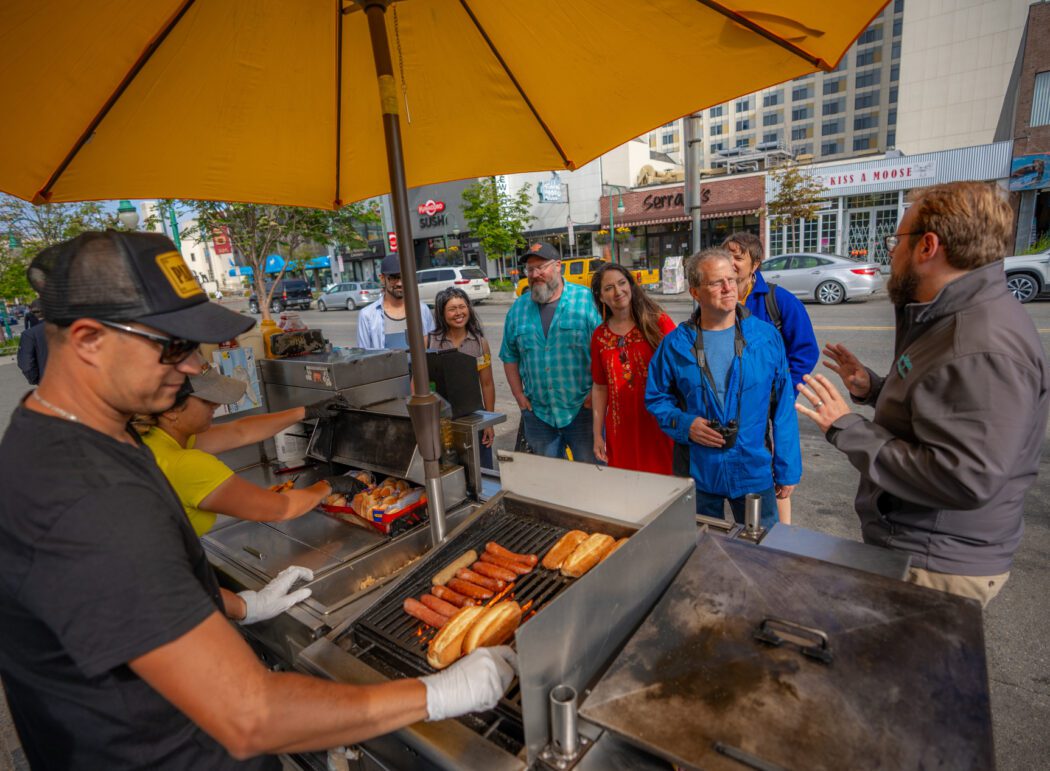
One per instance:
(115, 648)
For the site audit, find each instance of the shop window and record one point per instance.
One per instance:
(828, 232)
(801, 93)
(810, 235)
(772, 118)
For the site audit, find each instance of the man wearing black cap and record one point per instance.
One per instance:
(546, 355)
(115, 649)
(383, 324)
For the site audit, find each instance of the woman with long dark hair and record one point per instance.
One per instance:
(625, 434)
(457, 328)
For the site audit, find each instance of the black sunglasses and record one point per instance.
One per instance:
(173, 350)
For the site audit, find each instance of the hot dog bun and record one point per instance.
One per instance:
(588, 554)
(494, 627)
(615, 546)
(447, 645)
(563, 548)
(465, 560)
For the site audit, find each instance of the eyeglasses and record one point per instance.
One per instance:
(892, 241)
(532, 271)
(723, 283)
(173, 350)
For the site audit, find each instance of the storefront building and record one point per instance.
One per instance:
(654, 224)
(438, 226)
(863, 201)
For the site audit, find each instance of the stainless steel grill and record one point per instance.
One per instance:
(396, 644)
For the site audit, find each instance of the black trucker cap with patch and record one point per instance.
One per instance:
(118, 276)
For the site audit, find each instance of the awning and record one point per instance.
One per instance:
(705, 214)
(275, 263)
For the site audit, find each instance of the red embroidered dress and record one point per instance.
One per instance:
(633, 440)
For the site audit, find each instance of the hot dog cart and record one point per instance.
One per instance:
(686, 646)
(374, 434)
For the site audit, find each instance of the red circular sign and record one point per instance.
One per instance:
(392, 238)
(431, 207)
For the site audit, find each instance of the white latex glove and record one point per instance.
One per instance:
(473, 684)
(274, 598)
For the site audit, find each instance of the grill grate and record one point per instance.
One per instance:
(396, 643)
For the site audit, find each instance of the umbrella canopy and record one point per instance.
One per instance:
(276, 101)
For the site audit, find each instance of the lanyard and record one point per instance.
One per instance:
(738, 355)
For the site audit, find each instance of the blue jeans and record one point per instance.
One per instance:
(545, 439)
(711, 506)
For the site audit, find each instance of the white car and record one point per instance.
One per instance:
(1028, 275)
(470, 279)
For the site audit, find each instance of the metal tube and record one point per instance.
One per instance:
(375, 10)
(752, 512)
(693, 145)
(564, 733)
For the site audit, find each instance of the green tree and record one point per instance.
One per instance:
(259, 230)
(798, 198)
(496, 218)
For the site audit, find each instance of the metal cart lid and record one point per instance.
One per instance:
(900, 680)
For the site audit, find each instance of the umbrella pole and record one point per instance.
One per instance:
(424, 407)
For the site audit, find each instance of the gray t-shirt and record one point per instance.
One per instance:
(395, 331)
(547, 314)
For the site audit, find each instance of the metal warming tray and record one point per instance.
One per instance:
(756, 658)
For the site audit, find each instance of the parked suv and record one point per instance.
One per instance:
(290, 293)
(351, 295)
(471, 280)
(1028, 275)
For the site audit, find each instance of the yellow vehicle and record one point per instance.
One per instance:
(581, 270)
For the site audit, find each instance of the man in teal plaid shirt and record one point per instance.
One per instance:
(546, 354)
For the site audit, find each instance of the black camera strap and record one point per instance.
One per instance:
(738, 355)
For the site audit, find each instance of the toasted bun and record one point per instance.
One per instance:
(588, 554)
(563, 548)
(447, 645)
(615, 546)
(495, 627)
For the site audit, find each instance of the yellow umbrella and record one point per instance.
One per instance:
(275, 101)
(322, 102)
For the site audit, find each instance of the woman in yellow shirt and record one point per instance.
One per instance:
(184, 442)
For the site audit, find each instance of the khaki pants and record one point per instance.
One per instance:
(981, 588)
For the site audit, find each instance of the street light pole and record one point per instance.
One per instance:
(619, 210)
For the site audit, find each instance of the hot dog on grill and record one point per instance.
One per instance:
(494, 627)
(449, 571)
(494, 571)
(517, 567)
(563, 548)
(455, 598)
(438, 605)
(494, 584)
(470, 590)
(588, 554)
(447, 645)
(416, 609)
(494, 548)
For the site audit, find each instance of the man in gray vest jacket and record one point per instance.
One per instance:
(959, 420)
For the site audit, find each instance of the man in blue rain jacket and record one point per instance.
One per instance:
(714, 395)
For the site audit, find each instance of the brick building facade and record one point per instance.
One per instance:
(1030, 170)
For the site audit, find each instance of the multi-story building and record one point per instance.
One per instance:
(824, 116)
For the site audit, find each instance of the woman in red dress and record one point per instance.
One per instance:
(621, 348)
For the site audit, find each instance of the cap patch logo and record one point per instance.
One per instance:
(179, 275)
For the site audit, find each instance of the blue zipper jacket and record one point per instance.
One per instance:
(803, 353)
(675, 379)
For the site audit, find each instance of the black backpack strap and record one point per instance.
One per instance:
(772, 309)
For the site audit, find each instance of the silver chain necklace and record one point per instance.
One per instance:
(57, 410)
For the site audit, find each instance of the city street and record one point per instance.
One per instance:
(1017, 629)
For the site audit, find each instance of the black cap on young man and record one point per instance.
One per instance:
(118, 276)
